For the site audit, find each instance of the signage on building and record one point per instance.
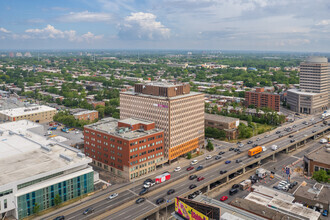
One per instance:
(188, 212)
(160, 105)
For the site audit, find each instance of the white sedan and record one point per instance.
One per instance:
(208, 157)
(113, 196)
(177, 169)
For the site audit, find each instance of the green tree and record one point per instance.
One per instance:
(188, 155)
(36, 208)
(209, 146)
(57, 200)
(321, 176)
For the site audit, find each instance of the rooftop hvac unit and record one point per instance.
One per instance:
(46, 148)
(81, 155)
(11, 133)
(65, 157)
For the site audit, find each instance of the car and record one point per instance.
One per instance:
(190, 168)
(233, 191)
(295, 183)
(88, 211)
(238, 152)
(194, 162)
(315, 126)
(144, 191)
(223, 198)
(258, 139)
(192, 177)
(267, 136)
(283, 182)
(281, 135)
(140, 200)
(177, 169)
(59, 217)
(192, 196)
(217, 157)
(147, 181)
(254, 145)
(314, 131)
(238, 160)
(170, 191)
(199, 168)
(291, 136)
(113, 196)
(235, 186)
(231, 149)
(276, 187)
(198, 192)
(221, 152)
(277, 132)
(236, 149)
(149, 184)
(241, 145)
(325, 212)
(166, 172)
(160, 200)
(257, 156)
(208, 157)
(293, 140)
(200, 178)
(249, 142)
(192, 186)
(227, 162)
(294, 126)
(223, 171)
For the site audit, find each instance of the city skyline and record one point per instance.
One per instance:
(167, 24)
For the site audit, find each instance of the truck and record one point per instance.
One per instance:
(326, 114)
(163, 177)
(245, 184)
(255, 151)
(66, 130)
(261, 173)
(274, 147)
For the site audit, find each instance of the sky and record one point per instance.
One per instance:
(262, 25)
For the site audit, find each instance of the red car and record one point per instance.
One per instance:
(200, 178)
(190, 168)
(223, 198)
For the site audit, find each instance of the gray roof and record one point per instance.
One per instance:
(219, 118)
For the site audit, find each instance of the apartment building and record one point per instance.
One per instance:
(313, 95)
(174, 109)
(87, 115)
(259, 98)
(129, 148)
(39, 114)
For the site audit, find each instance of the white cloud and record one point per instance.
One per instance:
(4, 30)
(50, 32)
(323, 23)
(142, 25)
(85, 16)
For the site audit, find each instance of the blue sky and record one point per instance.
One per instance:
(280, 25)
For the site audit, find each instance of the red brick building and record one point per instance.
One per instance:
(96, 103)
(130, 148)
(317, 160)
(260, 99)
(87, 115)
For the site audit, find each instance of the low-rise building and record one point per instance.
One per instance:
(228, 124)
(129, 148)
(317, 160)
(39, 114)
(87, 115)
(34, 170)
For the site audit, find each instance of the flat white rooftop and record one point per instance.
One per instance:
(15, 112)
(21, 154)
(84, 112)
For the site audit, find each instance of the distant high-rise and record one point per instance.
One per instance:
(174, 109)
(313, 95)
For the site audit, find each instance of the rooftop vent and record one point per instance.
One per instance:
(65, 157)
(81, 155)
(11, 133)
(46, 148)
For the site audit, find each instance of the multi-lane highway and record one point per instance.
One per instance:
(124, 207)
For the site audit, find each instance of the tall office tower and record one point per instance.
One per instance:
(313, 95)
(174, 109)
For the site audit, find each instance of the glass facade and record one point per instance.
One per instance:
(67, 190)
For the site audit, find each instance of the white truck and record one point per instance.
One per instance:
(325, 114)
(274, 147)
(261, 173)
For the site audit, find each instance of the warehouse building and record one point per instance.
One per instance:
(38, 114)
(35, 170)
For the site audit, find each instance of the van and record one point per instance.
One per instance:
(233, 191)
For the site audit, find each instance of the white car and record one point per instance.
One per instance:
(264, 148)
(148, 184)
(177, 169)
(194, 162)
(113, 196)
(208, 157)
(323, 141)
